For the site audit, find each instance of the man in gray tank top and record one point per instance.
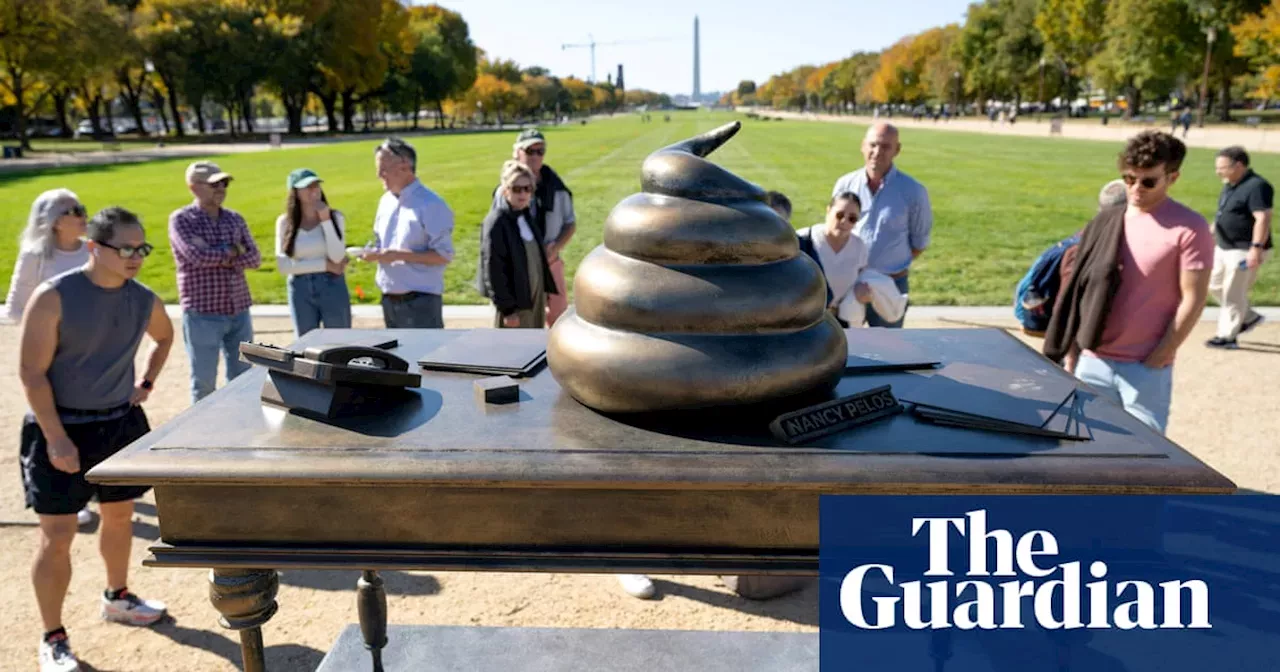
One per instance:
(80, 334)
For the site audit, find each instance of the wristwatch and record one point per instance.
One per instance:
(1257, 244)
(146, 384)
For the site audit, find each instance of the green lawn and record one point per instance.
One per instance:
(998, 200)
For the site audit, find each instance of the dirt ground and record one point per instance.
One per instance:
(1224, 411)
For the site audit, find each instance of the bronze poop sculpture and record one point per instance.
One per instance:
(699, 297)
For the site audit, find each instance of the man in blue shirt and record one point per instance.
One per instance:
(896, 217)
(414, 231)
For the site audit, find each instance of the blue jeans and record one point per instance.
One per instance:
(416, 310)
(874, 320)
(1143, 391)
(319, 299)
(205, 334)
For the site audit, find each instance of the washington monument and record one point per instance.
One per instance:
(697, 74)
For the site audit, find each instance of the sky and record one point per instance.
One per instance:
(748, 39)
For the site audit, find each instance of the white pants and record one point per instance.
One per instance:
(1230, 287)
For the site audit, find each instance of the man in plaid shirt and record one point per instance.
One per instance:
(212, 247)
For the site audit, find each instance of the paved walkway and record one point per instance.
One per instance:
(1212, 137)
(138, 153)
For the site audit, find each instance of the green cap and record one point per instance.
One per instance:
(302, 177)
(528, 138)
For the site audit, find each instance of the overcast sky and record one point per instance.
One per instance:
(739, 41)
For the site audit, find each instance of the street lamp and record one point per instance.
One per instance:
(956, 76)
(1041, 109)
(1204, 81)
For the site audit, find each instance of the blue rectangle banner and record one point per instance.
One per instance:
(1052, 583)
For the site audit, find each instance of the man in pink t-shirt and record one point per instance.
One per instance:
(1165, 257)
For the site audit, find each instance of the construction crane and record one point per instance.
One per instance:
(592, 44)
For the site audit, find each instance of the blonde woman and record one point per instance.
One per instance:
(513, 270)
(51, 244)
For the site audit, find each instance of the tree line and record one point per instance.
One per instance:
(1037, 50)
(342, 59)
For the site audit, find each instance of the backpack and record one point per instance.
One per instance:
(1035, 294)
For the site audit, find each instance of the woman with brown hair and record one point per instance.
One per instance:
(310, 253)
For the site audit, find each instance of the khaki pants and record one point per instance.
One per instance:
(1230, 287)
(557, 303)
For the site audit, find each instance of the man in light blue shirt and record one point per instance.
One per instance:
(414, 231)
(896, 218)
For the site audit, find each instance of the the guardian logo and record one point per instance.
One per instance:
(1052, 592)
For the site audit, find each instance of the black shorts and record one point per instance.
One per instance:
(53, 492)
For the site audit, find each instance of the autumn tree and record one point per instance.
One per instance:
(1257, 39)
(1149, 43)
(29, 31)
(1073, 34)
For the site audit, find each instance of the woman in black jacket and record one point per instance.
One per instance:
(513, 269)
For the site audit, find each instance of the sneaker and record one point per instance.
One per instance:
(1250, 324)
(637, 585)
(56, 656)
(1223, 343)
(132, 610)
(84, 517)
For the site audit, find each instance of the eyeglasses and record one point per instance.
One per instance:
(522, 189)
(129, 251)
(220, 184)
(398, 147)
(1146, 182)
(535, 152)
(77, 210)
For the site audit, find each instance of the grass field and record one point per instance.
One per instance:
(998, 201)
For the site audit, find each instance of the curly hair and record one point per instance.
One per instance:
(1149, 149)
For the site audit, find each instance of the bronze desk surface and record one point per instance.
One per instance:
(548, 484)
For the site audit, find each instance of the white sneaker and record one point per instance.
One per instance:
(84, 517)
(132, 610)
(637, 585)
(56, 656)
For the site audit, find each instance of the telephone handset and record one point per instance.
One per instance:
(337, 363)
(356, 355)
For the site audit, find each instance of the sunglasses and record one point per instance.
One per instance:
(1146, 182)
(522, 189)
(535, 152)
(129, 251)
(77, 210)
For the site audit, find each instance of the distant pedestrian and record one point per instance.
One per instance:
(1242, 229)
(311, 255)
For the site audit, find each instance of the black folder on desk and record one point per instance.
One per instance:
(491, 352)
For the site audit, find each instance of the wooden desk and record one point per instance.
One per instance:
(447, 483)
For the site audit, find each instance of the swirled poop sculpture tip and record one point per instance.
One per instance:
(698, 297)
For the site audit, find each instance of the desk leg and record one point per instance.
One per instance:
(246, 598)
(371, 603)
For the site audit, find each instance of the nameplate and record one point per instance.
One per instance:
(836, 415)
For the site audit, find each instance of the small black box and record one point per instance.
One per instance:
(497, 390)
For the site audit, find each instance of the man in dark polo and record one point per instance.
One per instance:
(1242, 230)
(80, 333)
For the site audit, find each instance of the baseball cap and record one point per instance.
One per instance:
(529, 137)
(205, 172)
(302, 177)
